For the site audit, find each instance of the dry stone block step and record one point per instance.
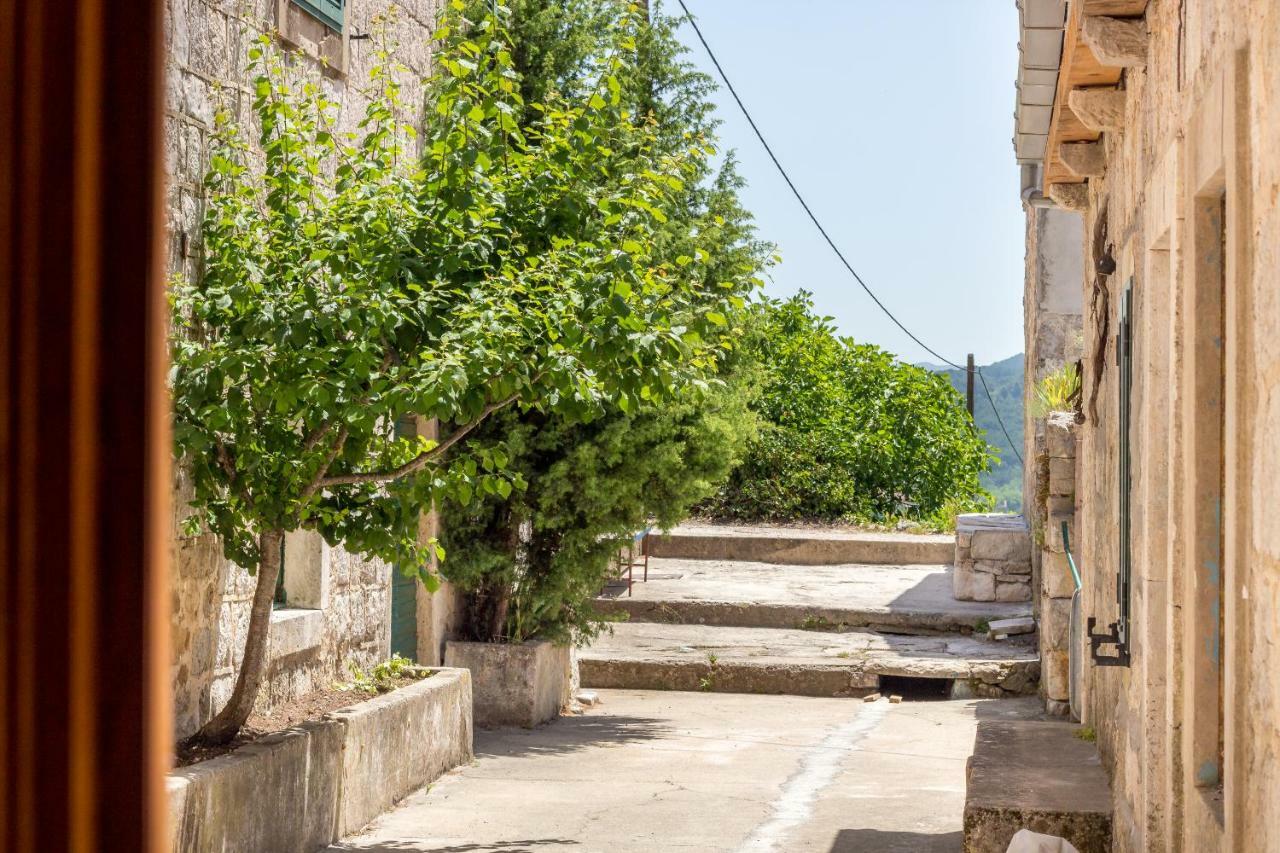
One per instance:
(1036, 775)
(756, 660)
(799, 546)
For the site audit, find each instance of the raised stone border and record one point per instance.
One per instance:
(800, 547)
(1036, 775)
(992, 558)
(515, 685)
(302, 789)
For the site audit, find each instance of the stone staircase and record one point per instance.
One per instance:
(806, 612)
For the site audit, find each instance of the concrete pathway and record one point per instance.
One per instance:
(769, 595)
(666, 771)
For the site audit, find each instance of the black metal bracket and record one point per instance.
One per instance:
(1110, 638)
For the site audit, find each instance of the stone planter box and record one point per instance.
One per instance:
(514, 685)
(302, 789)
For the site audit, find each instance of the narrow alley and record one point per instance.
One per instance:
(678, 771)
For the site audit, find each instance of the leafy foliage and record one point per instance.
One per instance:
(519, 262)
(532, 564)
(1057, 392)
(349, 285)
(850, 432)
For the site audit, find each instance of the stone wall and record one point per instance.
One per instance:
(1189, 209)
(993, 558)
(1056, 584)
(347, 608)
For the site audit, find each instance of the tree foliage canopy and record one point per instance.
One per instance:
(350, 282)
(531, 564)
(850, 433)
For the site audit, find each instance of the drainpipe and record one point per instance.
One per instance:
(1031, 195)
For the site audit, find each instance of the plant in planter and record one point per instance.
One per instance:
(530, 566)
(348, 284)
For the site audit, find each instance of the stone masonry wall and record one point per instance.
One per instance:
(993, 558)
(207, 43)
(1187, 731)
(1056, 583)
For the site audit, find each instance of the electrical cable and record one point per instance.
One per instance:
(827, 237)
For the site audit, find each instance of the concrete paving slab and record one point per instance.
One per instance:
(807, 663)
(799, 545)
(764, 595)
(694, 772)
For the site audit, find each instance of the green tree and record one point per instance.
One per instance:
(850, 433)
(349, 283)
(531, 566)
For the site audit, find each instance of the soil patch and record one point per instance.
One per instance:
(312, 706)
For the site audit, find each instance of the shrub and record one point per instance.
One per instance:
(850, 433)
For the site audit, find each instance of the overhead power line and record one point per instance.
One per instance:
(827, 237)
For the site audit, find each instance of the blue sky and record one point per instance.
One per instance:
(894, 120)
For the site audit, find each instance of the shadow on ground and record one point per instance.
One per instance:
(881, 841)
(525, 846)
(567, 735)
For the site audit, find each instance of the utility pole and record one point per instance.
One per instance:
(968, 386)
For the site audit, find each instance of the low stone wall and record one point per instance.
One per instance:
(300, 790)
(992, 558)
(515, 685)
(821, 548)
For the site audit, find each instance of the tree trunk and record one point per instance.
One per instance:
(233, 715)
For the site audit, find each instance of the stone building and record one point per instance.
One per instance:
(1149, 133)
(333, 608)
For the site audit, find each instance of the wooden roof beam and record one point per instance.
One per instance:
(1116, 42)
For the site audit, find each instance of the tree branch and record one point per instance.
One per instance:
(422, 459)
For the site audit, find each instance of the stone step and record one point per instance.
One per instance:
(1038, 774)
(648, 656)
(801, 546)
(890, 598)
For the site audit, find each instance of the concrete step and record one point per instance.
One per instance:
(801, 546)
(649, 656)
(889, 598)
(1037, 774)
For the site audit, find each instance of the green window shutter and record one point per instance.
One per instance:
(331, 12)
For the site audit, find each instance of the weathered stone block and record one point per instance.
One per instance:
(1060, 504)
(514, 685)
(1002, 545)
(1062, 476)
(1055, 623)
(1055, 575)
(1056, 675)
(984, 587)
(962, 582)
(1118, 42)
(1085, 159)
(1098, 108)
(1060, 436)
(991, 567)
(1013, 590)
(1053, 531)
(1070, 196)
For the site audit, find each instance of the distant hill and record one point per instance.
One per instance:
(1004, 378)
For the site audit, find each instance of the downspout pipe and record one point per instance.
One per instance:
(1031, 195)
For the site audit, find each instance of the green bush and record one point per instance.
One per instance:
(531, 565)
(850, 433)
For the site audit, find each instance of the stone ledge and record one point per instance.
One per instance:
(295, 629)
(299, 790)
(1038, 775)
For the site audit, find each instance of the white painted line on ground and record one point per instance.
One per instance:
(818, 769)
